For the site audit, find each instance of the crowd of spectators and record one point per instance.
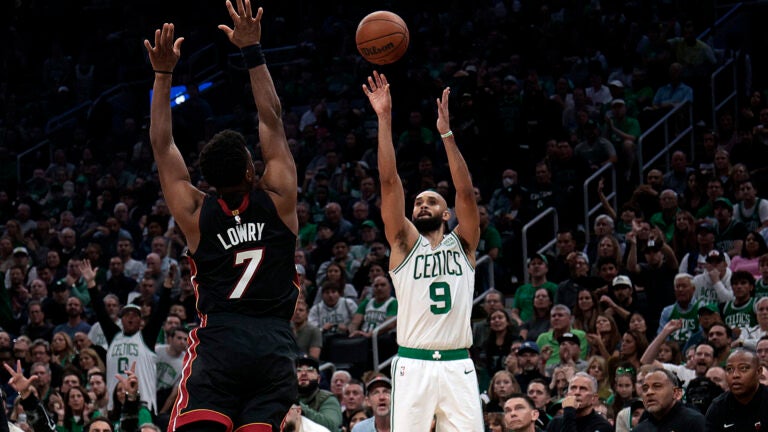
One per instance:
(543, 95)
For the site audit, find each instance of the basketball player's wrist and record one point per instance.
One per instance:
(253, 56)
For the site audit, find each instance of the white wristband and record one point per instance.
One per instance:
(447, 134)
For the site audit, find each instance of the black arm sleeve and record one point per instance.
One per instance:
(37, 415)
(108, 326)
(152, 329)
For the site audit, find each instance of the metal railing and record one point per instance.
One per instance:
(67, 118)
(378, 365)
(728, 67)
(675, 126)
(32, 150)
(375, 345)
(541, 216)
(589, 211)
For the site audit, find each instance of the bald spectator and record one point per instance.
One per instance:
(677, 178)
(371, 313)
(335, 219)
(67, 246)
(153, 269)
(666, 218)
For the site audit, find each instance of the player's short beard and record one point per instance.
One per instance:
(428, 225)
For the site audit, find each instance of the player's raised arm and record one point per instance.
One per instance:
(280, 178)
(400, 232)
(466, 206)
(183, 199)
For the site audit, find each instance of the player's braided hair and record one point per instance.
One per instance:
(224, 159)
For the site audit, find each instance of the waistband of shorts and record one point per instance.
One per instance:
(435, 355)
(236, 319)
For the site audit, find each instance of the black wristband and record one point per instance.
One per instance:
(163, 72)
(252, 56)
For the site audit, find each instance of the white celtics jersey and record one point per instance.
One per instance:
(123, 352)
(434, 290)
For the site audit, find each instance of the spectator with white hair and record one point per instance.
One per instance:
(665, 219)
(579, 407)
(750, 336)
(560, 324)
(604, 225)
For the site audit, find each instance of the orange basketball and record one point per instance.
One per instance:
(382, 37)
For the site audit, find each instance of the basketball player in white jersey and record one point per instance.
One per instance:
(433, 272)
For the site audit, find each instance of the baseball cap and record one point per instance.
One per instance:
(653, 246)
(715, 256)
(130, 307)
(368, 224)
(570, 337)
(617, 102)
(528, 346)
(708, 308)
(723, 202)
(20, 250)
(377, 382)
(306, 360)
(510, 78)
(705, 226)
(636, 403)
(60, 285)
(621, 280)
(540, 256)
(616, 83)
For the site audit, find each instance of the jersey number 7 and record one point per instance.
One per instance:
(253, 258)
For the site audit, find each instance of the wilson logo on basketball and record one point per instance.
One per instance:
(374, 50)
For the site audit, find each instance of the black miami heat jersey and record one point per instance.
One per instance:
(245, 260)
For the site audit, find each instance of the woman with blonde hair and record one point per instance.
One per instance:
(89, 359)
(598, 368)
(503, 385)
(62, 349)
(608, 247)
(561, 376)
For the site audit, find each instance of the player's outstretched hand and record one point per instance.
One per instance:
(443, 116)
(378, 94)
(247, 28)
(166, 52)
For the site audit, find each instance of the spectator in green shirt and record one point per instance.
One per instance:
(522, 307)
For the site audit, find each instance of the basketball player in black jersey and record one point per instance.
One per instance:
(239, 369)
